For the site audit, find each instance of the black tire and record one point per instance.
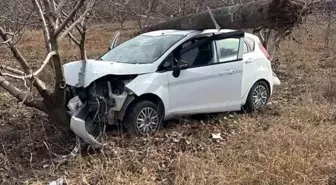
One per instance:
(133, 112)
(250, 106)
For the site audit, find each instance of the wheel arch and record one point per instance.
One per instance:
(259, 80)
(153, 98)
(148, 96)
(267, 83)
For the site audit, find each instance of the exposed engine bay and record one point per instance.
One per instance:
(103, 102)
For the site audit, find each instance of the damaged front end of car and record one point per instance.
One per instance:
(103, 102)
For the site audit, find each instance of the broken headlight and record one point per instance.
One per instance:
(74, 105)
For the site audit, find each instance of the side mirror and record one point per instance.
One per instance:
(176, 72)
(180, 65)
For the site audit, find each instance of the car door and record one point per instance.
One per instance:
(212, 82)
(249, 64)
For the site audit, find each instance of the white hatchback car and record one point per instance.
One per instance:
(163, 74)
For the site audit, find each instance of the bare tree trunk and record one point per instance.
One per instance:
(56, 24)
(327, 34)
(272, 14)
(82, 44)
(122, 24)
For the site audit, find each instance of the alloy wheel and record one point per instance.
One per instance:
(260, 96)
(147, 121)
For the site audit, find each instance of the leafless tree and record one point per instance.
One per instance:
(57, 19)
(142, 10)
(329, 8)
(120, 10)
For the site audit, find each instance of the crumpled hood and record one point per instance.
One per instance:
(82, 74)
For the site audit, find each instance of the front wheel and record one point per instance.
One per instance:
(144, 118)
(258, 97)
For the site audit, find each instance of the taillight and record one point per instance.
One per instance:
(264, 51)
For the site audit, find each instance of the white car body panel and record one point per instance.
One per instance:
(152, 83)
(217, 87)
(212, 88)
(94, 70)
(209, 89)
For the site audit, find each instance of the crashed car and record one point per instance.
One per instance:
(163, 74)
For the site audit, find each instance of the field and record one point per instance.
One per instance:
(291, 142)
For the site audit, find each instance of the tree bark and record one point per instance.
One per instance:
(25, 98)
(271, 14)
(327, 34)
(56, 102)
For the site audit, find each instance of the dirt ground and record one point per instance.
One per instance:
(291, 142)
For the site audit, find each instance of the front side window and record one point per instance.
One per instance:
(228, 49)
(142, 49)
(198, 56)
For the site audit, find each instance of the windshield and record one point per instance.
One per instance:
(142, 49)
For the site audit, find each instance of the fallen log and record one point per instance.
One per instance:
(271, 14)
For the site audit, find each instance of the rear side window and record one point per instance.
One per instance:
(227, 49)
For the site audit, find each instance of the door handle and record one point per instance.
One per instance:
(228, 72)
(249, 61)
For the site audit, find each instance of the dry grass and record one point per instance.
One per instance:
(291, 142)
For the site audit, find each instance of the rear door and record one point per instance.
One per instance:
(213, 81)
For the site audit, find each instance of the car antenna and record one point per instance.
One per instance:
(213, 19)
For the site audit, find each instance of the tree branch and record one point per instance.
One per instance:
(79, 20)
(44, 25)
(60, 7)
(5, 42)
(25, 98)
(49, 14)
(12, 76)
(45, 62)
(53, 6)
(15, 71)
(73, 38)
(69, 18)
(23, 63)
(16, 52)
(20, 76)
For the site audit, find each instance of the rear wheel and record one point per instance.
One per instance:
(258, 97)
(144, 118)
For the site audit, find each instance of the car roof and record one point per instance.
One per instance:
(195, 32)
(228, 31)
(171, 32)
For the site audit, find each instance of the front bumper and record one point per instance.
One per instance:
(77, 125)
(78, 122)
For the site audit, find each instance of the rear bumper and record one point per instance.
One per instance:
(276, 80)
